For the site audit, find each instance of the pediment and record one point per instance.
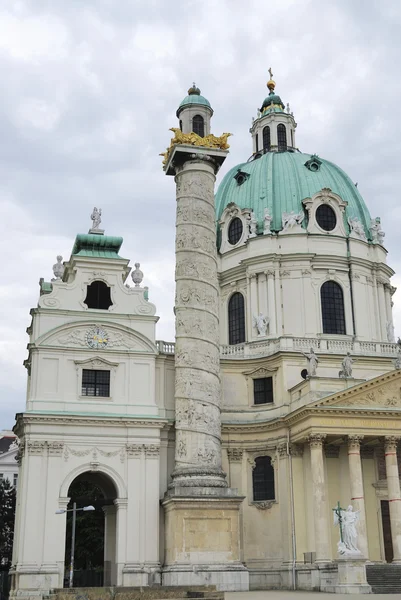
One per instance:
(260, 372)
(75, 335)
(381, 392)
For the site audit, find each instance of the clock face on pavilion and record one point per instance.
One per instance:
(97, 338)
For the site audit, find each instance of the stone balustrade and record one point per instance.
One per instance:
(324, 345)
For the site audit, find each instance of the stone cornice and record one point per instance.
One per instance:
(24, 419)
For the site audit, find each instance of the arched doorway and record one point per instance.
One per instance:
(95, 531)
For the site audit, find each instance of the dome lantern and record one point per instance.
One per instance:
(274, 129)
(195, 112)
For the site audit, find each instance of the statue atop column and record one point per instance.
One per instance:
(312, 362)
(347, 519)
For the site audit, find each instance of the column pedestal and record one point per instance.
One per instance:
(351, 578)
(203, 540)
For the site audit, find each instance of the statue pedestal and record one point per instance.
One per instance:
(202, 539)
(351, 577)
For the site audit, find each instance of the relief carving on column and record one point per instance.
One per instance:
(316, 440)
(354, 442)
(391, 443)
(235, 454)
(198, 415)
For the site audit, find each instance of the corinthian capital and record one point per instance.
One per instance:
(391, 443)
(354, 442)
(316, 440)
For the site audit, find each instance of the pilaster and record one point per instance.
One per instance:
(320, 499)
(394, 493)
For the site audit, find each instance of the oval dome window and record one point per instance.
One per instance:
(235, 231)
(326, 217)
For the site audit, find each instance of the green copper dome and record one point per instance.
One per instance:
(280, 181)
(194, 97)
(272, 100)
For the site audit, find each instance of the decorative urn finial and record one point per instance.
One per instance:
(137, 275)
(58, 268)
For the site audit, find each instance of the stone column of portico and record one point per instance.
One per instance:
(320, 506)
(197, 351)
(357, 494)
(394, 493)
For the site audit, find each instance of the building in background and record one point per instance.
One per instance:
(8, 457)
(220, 459)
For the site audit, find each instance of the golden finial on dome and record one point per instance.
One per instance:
(271, 84)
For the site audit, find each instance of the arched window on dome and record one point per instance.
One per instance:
(263, 479)
(266, 138)
(236, 319)
(333, 315)
(281, 137)
(198, 125)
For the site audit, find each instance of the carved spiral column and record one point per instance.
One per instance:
(197, 353)
(394, 493)
(357, 495)
(320, 501)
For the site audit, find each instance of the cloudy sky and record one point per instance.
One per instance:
(90, 89)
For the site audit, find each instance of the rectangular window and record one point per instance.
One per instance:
(263, 390)
(15, 480)
(95, 383)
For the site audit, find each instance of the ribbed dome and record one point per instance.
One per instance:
(280, 181)
(194, 97)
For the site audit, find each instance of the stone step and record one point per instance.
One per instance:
(138, 593)
(384, 579)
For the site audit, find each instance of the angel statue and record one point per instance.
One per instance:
(312, 362)
(347, 520)
(260, 322)
(290, 220)
(96, 217)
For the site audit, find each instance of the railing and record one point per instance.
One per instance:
(289, 344)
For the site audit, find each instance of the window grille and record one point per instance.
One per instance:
(198, 125)
(263, 390)
(236, 319)
(333, 315)
(281, 137)
(235, 230)
(263, 479)
(95, 383)
(266, 138)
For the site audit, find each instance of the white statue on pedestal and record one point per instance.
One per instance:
(376, 231)
(346, 371)
(58, 268)
(312, 362)
(253, 225)
(357, 228)
(267, 222)
(390, 331)
(347, 520)
(96, 217)
(261, 322)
